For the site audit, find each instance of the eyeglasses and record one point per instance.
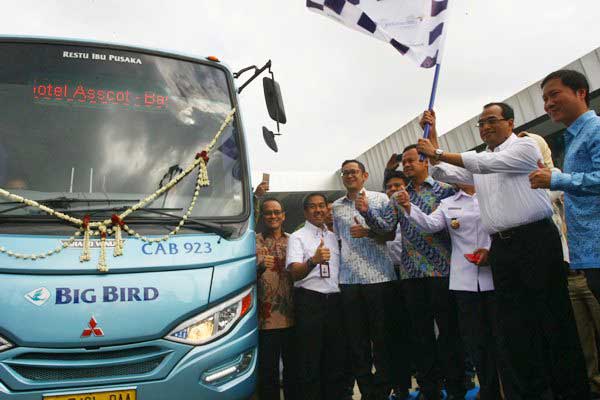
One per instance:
(349, 172)
(276, 213)
(490, 121)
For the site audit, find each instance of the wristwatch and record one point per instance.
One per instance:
(310, 264)
(438, 153)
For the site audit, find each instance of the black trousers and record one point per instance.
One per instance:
(398, 338)
(593, 280)
(438, 360)
(320, 345)
(477, 318)
(273, 345)
(537, 331)
(365, 322)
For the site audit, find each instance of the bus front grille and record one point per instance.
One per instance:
(84, 365)
(44, 374)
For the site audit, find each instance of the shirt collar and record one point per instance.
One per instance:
(315, 229)
(348, 199)
(576, 126)
(504, 144)
(429, 180)
(268, 235)
(461, 193)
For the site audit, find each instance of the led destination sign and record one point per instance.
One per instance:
(45, 91)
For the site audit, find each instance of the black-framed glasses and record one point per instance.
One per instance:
(275, 213)
(349, 172)
(491, 121)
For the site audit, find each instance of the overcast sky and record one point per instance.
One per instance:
(343, 91)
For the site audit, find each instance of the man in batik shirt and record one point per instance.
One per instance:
(275, 305)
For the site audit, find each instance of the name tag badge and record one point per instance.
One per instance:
(454, 223)
(324, 270)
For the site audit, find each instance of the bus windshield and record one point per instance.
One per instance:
(94, 130)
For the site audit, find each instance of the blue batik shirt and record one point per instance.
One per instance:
(424, 255)
(363, 260)
(581, 183)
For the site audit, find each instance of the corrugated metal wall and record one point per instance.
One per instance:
(527, 104)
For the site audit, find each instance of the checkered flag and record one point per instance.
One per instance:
(416, 28)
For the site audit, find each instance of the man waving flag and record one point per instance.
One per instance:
(416, 28)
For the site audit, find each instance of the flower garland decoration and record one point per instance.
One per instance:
(116, 224)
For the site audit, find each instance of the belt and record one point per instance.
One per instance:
(519, 230)
(301, 290)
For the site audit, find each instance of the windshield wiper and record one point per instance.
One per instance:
(210, 226)
(205, 225)
(61, 203)
(167, 212)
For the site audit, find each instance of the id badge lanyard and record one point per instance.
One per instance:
(324, 270)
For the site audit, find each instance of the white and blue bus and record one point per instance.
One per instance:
(124, 274)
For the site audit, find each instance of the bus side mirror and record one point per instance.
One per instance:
(269, 138)
(274, 100)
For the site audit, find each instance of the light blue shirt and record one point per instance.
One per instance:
(581, 183)
(363, 260)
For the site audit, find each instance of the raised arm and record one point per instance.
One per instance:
(520, 158)
(380, 220)
(295, 263)
(431, 223)
(445, 172)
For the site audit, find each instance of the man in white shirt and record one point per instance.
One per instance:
(313, 259)
(470, 279)
(535, 320)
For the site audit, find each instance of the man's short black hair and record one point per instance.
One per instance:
(409, 147)
(262, 203)
(507, 111)
(396, 174)
(360, 165)
(313, 194)
(572, 79)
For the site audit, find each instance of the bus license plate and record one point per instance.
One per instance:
(110, 395)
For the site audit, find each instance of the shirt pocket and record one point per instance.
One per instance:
(454, 213)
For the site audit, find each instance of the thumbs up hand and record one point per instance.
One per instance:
(361, 203)
(263, 258)
(269, 262)
(541, 164)
(322, 254)
(541, 177)
(357, 230)
(261, 252)
(403, 198)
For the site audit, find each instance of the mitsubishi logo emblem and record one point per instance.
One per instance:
(92, 329)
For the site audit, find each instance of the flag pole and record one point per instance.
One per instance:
(436, 76)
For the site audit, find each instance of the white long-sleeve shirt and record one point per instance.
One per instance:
(466, 238)
(501, 178)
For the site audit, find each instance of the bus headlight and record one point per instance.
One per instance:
(4, 344)
(214, 322)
